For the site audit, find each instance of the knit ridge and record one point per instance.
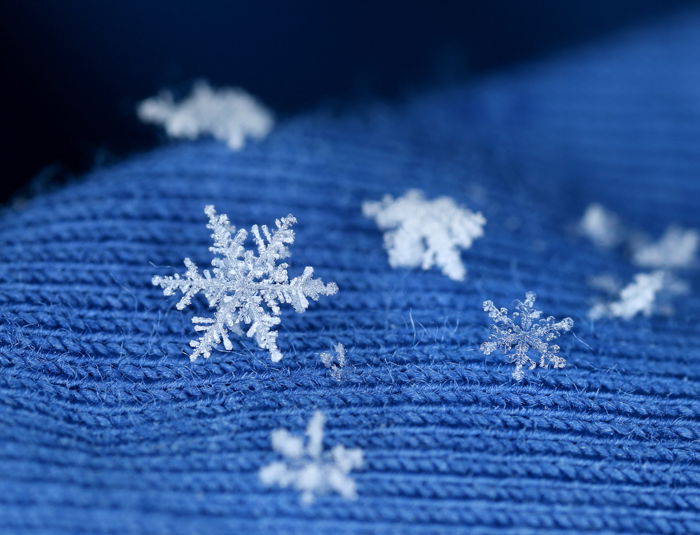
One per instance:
(106, 427)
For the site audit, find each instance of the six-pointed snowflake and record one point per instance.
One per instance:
(422, 233)
(335, 362)
(231, 115)
(244, 288)
(310, 469)
(526, 331)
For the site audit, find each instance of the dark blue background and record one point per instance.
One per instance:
(77, 68)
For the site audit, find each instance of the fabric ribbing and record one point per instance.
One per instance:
(106, 427)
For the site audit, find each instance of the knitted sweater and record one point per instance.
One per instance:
(106, 427)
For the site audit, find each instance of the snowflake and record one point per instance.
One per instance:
(524, 332)
(339, 358)
(227, 114)
(601, 226)
(675, 249)
(647, 294)
(425, 233)
(308, 468)
(243, 285)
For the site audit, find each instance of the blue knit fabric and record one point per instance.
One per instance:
(106, 427)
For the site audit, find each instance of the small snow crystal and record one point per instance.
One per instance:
(227, 114)
(308, 468)
(335, 362)
(647, 294)
(601, 226)
(675, 249)
(422, 233)
(525, 331)
(243, 285)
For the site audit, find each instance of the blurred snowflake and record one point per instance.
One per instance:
(228, 114)
(308, 468)
(422, 233)
(649, 293)
(676, 249)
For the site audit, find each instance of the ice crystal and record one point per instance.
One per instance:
(526, 331)
(647, 294)
(244, 288)
(601, 226)
(675, 249)
(423, 233)
(227, 114)
(335, 362)
(310, 469)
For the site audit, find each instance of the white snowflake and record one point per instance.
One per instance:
(601, 226)
(423, 233)
(308, 468)
(335, 362)
(677, 248)
(524, 332)
(647, 294)
(227, 114)
(242, 287)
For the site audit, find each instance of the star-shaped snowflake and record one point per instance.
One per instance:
(308, 468)
(526, 331)
(423, 233)
(244, 288)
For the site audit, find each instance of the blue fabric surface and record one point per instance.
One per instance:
(106, 427)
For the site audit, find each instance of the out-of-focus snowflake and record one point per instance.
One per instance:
(228, 114)
(335, 362)
(524, 333)
(244, 288)
(649, 293)
(676, 249)
(423, 233)
(308, 468)
(601, 226)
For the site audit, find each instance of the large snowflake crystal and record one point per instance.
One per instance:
(422, 233)
(524, 333)
(243, 287)
(308, 468)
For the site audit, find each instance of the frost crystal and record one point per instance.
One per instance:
(242, 287)
(335, 362)
(675, 249)
(227, 114)
(601, 226)
(524, 332)
(425, 233)
(308, 468)
(647, 294)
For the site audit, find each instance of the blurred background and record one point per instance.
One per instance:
(78, 68)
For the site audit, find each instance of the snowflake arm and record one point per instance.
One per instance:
(422, 233)
(244, 288)
(310, 469)
(231, 115)
(523, 333)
